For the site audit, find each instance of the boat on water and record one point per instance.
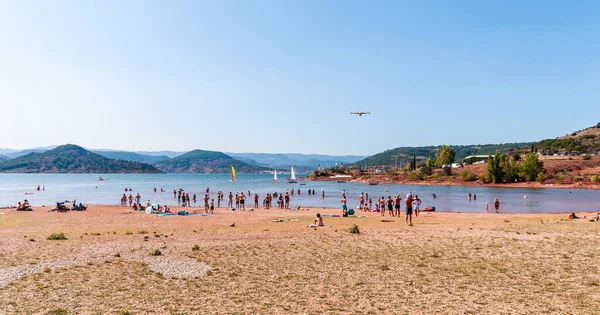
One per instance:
(275, 180)
(292, 179)
(232, 174)
(372, 182)
(342, 181)
(102, 178)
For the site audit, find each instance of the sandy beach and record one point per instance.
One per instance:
(446, 263)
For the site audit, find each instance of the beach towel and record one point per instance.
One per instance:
(316, 226)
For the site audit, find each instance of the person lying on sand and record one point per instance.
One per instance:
(573, 216)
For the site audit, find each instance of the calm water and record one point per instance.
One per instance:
(85, 188)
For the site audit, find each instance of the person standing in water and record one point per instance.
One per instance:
(496, 205)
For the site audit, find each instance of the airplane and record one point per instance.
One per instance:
(360, 113)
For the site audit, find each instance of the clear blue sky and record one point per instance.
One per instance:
(283, 76)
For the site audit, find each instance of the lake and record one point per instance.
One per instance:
(88, 190)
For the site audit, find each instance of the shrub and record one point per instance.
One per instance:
(560, 178)
(354, 229)
(586, 157)
(437, 176)
(196, 247)
(56, 237)
(468, 176)
(482, 178)
(426, 170)
(155, 252)
(595, 179)
(589, 137)
(541, 177)
(447, 171)
(117, 255)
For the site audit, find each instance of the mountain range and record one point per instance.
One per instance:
(70, 158)
(74, 159)
(301, 162)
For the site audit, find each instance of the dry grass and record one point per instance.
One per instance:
(446, 263)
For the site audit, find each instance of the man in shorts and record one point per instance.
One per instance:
(242, 201)
(397, 200)
(409, 201)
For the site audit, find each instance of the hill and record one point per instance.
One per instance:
(70, 158)
(582, 141)
(405, 154)
(3, 158)
(200, 161)
(131, 156)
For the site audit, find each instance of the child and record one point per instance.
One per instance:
(212, 205)
(377, 207)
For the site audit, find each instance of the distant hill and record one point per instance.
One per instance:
(170, 154)
(200, 161)
(131, 156)
(582, 141)
(7, 151)
(16, 154)
(70, 158)
(4, 158)
(300, 162)
(405, 154)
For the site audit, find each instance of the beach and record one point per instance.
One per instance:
(446, 263)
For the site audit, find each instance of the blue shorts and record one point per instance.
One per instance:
(344, 207)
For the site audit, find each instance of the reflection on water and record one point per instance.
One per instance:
(87, 189)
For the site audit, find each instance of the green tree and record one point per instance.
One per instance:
(430, 162)
(445, 156)
(510, 168)
(494, 170)
(531, 167)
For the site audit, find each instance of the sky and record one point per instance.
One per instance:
(283, 76)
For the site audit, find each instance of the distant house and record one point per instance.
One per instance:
(481, 157)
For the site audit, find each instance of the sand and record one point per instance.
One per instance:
(447, 263)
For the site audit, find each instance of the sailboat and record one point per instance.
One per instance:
(292, 179)
(275, 177)
(232, 174)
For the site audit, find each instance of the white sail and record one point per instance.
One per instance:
(275, 176)
(293, 174)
